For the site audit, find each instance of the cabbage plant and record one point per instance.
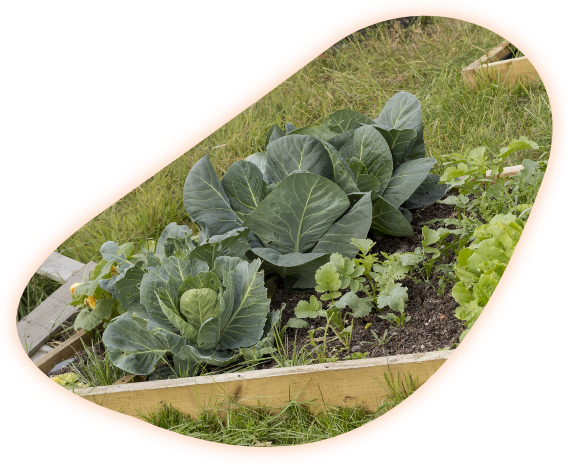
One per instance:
(385, 156)
(199, 311)
(295, 224)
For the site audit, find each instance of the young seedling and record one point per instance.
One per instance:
(432, 255)
(396, 320)
(329, 281)
(378, 280)
(356, 355)
(380, 341)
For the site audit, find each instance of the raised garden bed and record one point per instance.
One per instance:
(198, 302)
(345, 383)
(499, 63)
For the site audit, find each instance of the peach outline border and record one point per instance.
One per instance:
(213, 118)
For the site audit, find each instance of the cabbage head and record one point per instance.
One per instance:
(197, 307)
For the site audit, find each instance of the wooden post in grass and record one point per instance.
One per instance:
(491, 67)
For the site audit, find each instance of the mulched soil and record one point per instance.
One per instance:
(432, 325)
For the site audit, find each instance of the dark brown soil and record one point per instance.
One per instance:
(432, 325)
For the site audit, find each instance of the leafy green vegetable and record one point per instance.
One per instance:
(385, 156)
(481, 265)
(378, 280)
(316, 188)
(206, 201)
(198, 314)
(302, 220)
(492, 194)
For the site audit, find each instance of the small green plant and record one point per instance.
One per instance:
(481, 265)
(356, 355)
(396, 320)
(286, 355)
(380, 341)
(475, 173)
(329, 282)
(433, 257)
(446, 348)
(96, 370)
(378, 280)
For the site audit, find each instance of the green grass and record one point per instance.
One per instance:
(424, 59)
(96, 370)
(37, 290)
(292, 424)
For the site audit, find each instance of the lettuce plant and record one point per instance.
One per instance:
(481, 265)
(385, 156)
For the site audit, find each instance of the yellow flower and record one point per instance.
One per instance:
(114, 270)
(90, 301)
(74, 286)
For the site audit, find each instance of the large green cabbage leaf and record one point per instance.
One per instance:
(385, 156)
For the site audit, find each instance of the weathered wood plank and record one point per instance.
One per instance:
(59, 267)
(64, 351)
(129, 379)
(39, 353)
(490, 67)
(509, 71)
(507, 171)
(46, 319)
(494, 55)
(346, 383)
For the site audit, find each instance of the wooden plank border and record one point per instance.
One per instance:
(46, 319)
(65, 350)
(59, 267)
(490, 67)
(344, 383)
